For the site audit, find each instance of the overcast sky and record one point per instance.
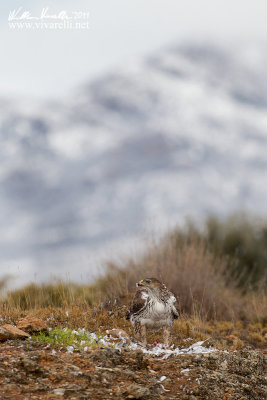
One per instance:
(49, 63)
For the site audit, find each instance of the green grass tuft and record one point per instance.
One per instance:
(71, 339)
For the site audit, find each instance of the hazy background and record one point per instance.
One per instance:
(50, 63)
(112, 134)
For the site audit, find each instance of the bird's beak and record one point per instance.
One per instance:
(140, 283)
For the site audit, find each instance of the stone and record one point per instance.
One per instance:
(13, 332)
(106, 357)
(4, 334)
(224, 365)
(31, 366)
(59, 391)
(137, 392)
(32, 325)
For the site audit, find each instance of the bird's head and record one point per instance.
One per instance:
(150, 283)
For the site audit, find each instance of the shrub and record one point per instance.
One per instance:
(196, 274)
(244, 241)
(218, 272)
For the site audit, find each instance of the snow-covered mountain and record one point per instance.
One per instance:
(182, 133)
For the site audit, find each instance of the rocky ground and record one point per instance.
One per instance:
(30, 370)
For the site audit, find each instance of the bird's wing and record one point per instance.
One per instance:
(174, 304)
(139, 301)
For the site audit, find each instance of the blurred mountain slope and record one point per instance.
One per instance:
(182, 133)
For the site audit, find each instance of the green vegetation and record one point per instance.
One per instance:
(217, 273)
(55, 294)
(72, 339)
(244, 242)
(241, 240)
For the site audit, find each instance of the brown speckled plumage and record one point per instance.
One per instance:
(153, 307)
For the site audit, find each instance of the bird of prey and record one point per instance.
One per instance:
(153, 307)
